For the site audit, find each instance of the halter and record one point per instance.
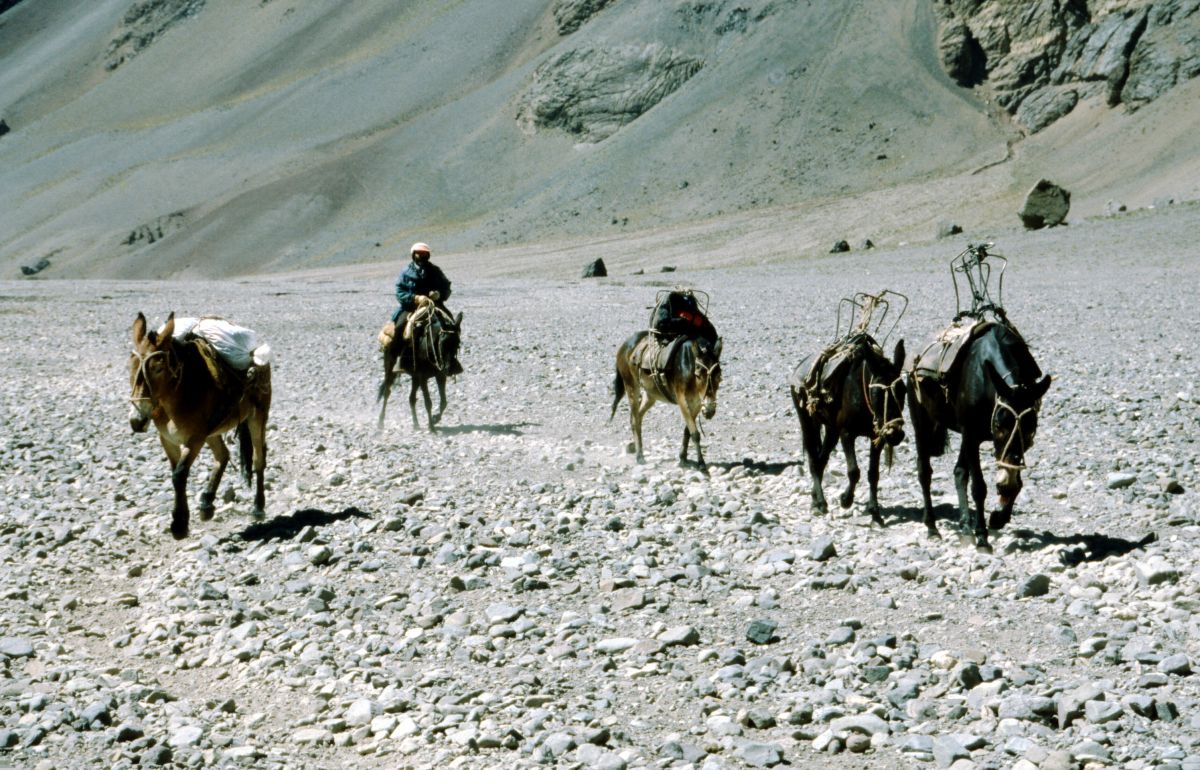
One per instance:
(881, 427)
(434, 349)
(143, 359)
(1001, 404)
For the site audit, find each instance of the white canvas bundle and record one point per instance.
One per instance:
(237, 345)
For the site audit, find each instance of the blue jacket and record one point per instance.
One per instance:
(420, 279)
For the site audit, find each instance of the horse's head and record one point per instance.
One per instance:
(883, 385)
(446, 339)
(151, 367)
(708, 366)
(1014, 425)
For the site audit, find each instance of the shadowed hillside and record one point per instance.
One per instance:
(185, 137)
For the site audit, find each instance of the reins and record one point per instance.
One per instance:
(1016, 430)
(881, 428)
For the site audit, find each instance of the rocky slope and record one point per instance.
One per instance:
(515, 592)
(289, 134)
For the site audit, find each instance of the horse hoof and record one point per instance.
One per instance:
(179, 533)
(999, 519)
(984, 547)
(846, 500)
(820, 509)
(258, 513)
(933, 533)
(205, 512)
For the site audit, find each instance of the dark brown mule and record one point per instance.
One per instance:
(865, 397)
(690, 380)
(193, 398)
(430, 354)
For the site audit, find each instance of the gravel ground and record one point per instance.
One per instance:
(515, 591)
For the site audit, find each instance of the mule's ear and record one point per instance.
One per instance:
(898, 356)
(168, 329)
(139, 329)
(1002, 387)
(717, 347)
(1040, 387)
(458, 320)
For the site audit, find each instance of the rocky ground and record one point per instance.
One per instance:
(515, 591)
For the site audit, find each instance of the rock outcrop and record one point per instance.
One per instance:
(570, 15)
(144, 22)
(150, 232)
(1041, 58)
(592, 92)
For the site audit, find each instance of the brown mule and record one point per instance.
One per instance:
(193, 398)
(689, 379)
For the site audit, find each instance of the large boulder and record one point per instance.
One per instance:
(592, 92)
(1046, 205)
(595, 269)
(1043, 107)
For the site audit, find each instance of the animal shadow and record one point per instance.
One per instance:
(286, 527)
(1094, 547)
(759, 467)
(916, 515)
(495, 429)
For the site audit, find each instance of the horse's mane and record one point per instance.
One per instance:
(1015, 362)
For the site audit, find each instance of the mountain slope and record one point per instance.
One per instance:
(244, 137)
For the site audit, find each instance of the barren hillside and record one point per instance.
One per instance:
(157, 138)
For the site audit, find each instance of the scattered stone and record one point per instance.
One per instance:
(840, 247)
(822, 549)
(1175, 664)
(1120, 480)
(947, 229)
(595, 269)
(761, 631)
(14, 647)
(1035, 585)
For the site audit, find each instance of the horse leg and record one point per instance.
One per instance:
(221, 454)
(440, 380)
(923, 433)
(412, 401)
(979, 496)
(258, 440)
(968, 457)
(428, 403)
(853, 474)
(691, 430)
(810, 430)
(385, 387)
(873, 484)
(179, 475)
(636, 411)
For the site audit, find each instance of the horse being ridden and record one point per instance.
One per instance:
(430, 353)
(988, 388)
(863, 396)
(193, 397)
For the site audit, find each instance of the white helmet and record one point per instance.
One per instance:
(419, 247)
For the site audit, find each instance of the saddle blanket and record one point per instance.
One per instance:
(652, 356)
(940, 356)
(238, 346)
(818, 372)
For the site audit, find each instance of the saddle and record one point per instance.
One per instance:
(940, 357)
(818, 378)
(651, 356)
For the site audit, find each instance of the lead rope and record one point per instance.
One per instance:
(880, 428)
(1016, 429)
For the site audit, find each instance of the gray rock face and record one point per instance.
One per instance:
(1046, 105)
(1042, 57)
(592, 92)
(145, 22)
(1046, 205)
(570, 15)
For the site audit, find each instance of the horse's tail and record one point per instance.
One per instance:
(618, 394)
(245, 450)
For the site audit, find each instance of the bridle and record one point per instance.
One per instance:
(143, 360)
(881, 425)
(1017, 429)
(445, 329)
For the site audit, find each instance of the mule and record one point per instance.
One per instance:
(863, 398)
(993, 393)
(689, 378)
(193, 397)
(430, 354)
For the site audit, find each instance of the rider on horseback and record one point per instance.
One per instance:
(421, 285)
